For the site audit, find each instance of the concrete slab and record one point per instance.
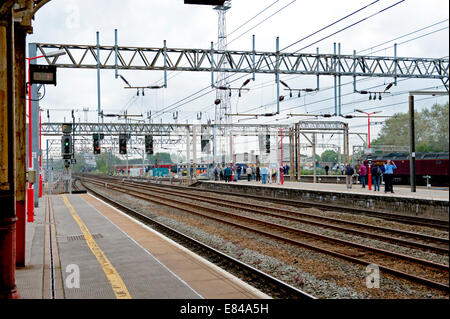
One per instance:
(142, 274)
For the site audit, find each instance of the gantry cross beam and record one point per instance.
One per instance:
(83, 129)
(208, 60)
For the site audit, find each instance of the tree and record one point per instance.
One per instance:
(329, 156)
(102, 163)
(431, 130)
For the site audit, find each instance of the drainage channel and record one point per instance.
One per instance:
(52, 282)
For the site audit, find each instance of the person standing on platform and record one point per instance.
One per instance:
(216, 173)
(349, 171)
(264, 171)
(238, 171)
(376, 177)
(258, 173)
(249, 173)
(227, 174)
(362, 174)
(221, 174)
(342, 169)
(389, 176)
(326, 169)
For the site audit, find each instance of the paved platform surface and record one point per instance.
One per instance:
(399, 190)
(100, 253)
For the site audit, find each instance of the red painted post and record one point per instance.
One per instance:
(40, 156)
(282, 175)
(370, 170)
(30, 190)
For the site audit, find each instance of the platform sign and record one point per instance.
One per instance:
(42, 74)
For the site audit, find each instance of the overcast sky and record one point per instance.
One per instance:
(147, 23)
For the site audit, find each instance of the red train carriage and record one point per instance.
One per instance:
(435, 165)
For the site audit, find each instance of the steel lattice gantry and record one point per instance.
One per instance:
(172, 59)
(55, 129)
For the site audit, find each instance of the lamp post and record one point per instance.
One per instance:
(30, 190)
(368, 142)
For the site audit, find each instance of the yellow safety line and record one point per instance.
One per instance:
(117, 284)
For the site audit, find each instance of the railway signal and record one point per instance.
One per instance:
(267, 143)
(122, 144)
(66, 146)
(96, 143)
(149, 144)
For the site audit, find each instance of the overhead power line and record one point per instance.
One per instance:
(350, 25)
(331, 24)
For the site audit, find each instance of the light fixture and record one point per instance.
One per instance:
(281, 98)
(143, 94)
(370, 96)
(379, 96)
(217, 101)
(137, 93)
(55, 53)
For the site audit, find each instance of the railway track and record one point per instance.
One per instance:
(404, 238)
(262, 281)
(412, 220)
(415, 269)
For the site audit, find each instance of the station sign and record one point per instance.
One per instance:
(42, 74)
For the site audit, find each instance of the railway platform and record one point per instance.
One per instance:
(427, 203)
(79, 247)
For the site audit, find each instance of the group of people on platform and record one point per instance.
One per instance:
(384, 172)
(258, 173)
(264, 174)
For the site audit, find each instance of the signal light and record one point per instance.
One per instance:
(96, 144)
(149, 144)
(122, 144)
(267, 143)
(66, 146)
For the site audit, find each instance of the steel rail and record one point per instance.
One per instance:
(257, 209)
(163, 201)
(413, 220)
(440, 224)
(280, 287)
